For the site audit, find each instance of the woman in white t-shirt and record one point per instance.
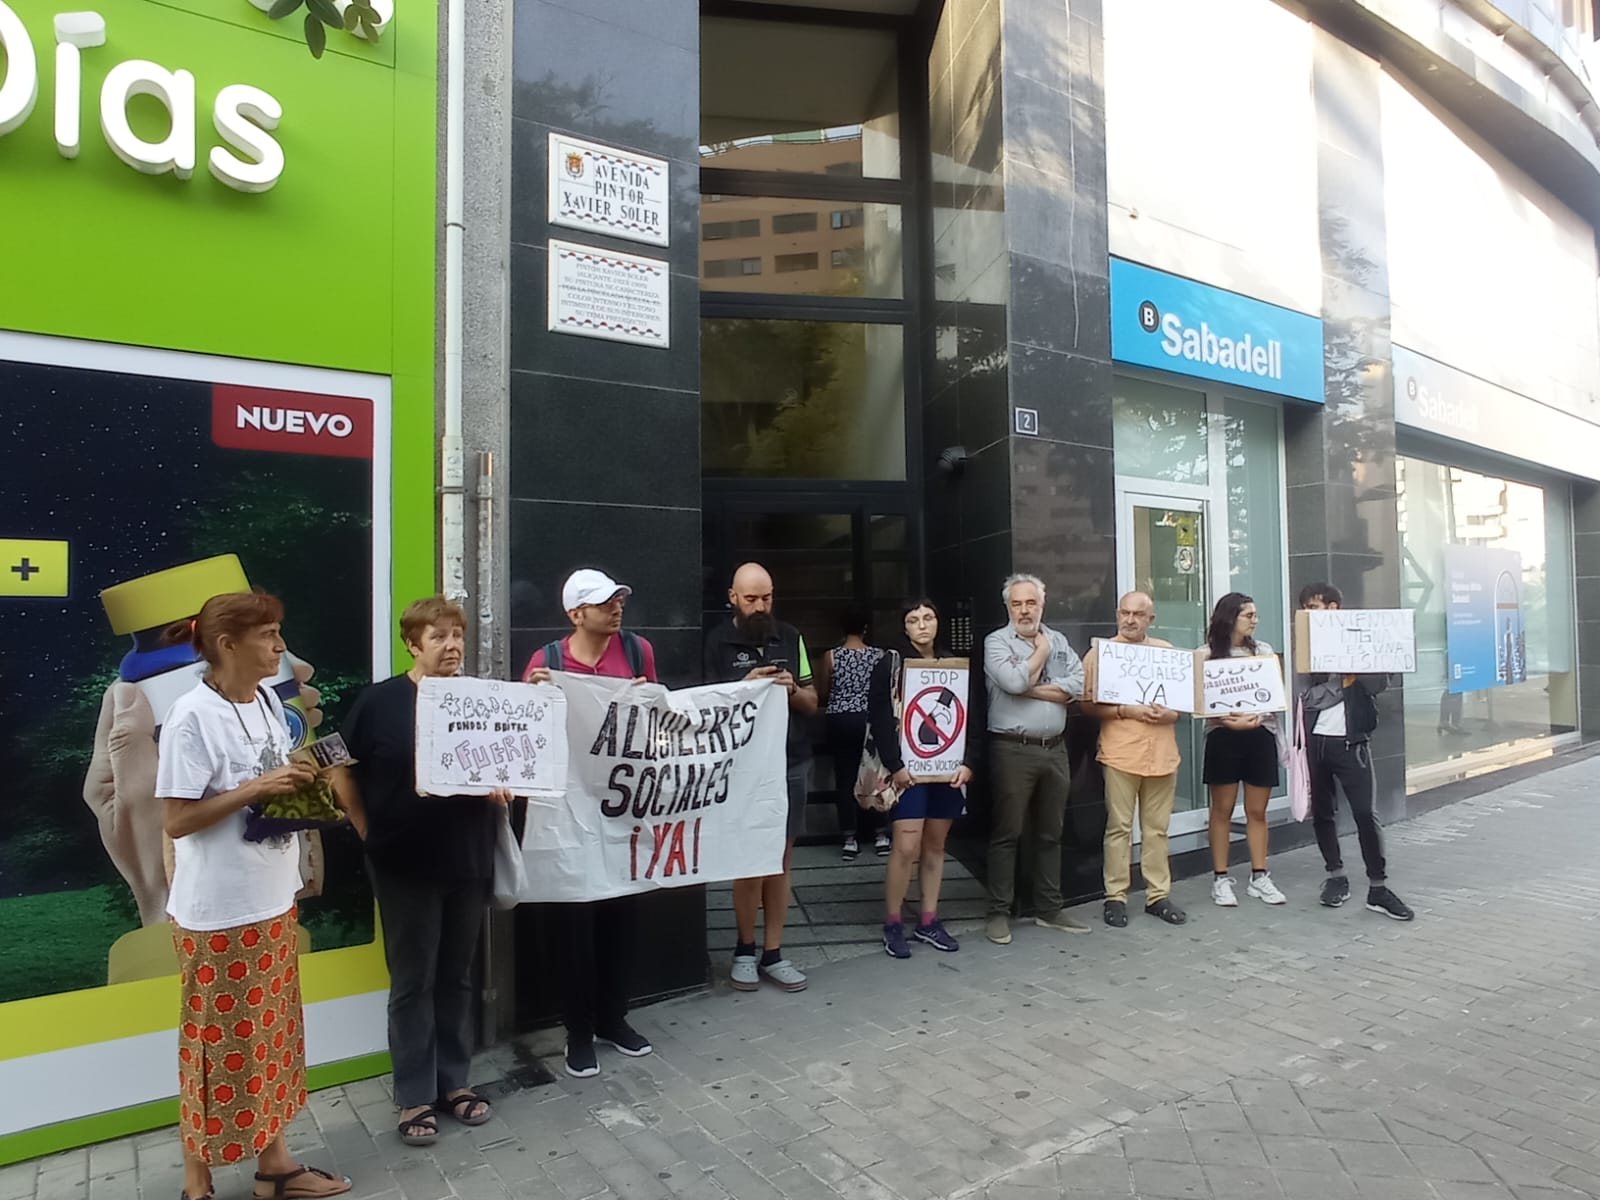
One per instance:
(241, 1037)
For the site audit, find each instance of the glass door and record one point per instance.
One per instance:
(1162, 551)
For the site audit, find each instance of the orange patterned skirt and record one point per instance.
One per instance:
(241, 1038)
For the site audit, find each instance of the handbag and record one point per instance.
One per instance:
(1299, 767)
(510, 871)
(875, 786)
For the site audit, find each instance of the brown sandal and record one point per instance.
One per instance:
(282, 1188)
(460, 1107)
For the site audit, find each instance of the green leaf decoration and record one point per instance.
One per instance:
(282, 8)
(316, 35)
(352, 18)
(326, 12)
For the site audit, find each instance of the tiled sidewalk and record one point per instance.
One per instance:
(1295, 1052)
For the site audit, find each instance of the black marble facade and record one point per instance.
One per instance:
(1343, 524)
(1586, 572)
(605, 436)
(1022, 309)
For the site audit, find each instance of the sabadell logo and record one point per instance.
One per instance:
(1200, 343)
(249, 160)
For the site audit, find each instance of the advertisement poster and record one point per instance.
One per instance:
(128, 500)
(664, 789)
(1486, 644)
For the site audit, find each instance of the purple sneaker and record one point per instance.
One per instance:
(937, 936)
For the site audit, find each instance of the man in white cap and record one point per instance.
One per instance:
(594, 941)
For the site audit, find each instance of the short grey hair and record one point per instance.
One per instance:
(1020, 577)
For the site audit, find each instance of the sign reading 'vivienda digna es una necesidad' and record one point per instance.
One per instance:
(1175, 324)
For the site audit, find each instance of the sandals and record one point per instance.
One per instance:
(460, 1107)
(423, 1127)
(283, 1187)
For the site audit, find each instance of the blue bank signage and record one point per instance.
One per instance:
(1175, 324)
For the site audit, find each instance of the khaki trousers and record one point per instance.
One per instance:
(1154, 795)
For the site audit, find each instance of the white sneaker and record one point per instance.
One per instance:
(851, 848)
(1222, 892)
(881, 845)
(1264, 890)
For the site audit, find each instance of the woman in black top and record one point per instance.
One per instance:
(925, 811)
(431, 859)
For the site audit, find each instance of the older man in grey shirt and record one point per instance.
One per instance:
(1032, 675)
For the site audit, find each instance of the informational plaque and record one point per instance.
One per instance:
(605, 294)
(606, 190)
(1355, 641)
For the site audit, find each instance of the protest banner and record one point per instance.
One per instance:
(1139, 673)
(1355, 641)
(1238, 685)
(475, 735)
(933, 724)
(663, 789)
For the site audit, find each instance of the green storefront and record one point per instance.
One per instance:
(217, 347)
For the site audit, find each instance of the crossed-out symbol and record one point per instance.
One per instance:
(918, 717)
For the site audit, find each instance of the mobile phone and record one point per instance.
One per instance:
(781, 664)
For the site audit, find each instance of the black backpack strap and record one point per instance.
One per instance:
(552, 655)
(633, 652)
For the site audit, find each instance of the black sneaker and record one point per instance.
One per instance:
(894, 941)
(1381, 900)
(626, 1039)
(581, 1062)
(1116, 913)
(1335, 891)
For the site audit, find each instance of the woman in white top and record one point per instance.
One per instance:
(241, 1037)
(1241, 749)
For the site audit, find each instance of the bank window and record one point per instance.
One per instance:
(785, 264)
(716, 231)
(794, 222)
(1486, 563)
(725, 268)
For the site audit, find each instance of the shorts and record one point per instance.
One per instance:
(929, 801)
(1248, 756)
(799, 794)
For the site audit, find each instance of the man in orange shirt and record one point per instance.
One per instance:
(1139, 752)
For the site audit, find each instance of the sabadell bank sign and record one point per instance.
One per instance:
(248, 160)
(1175, 324)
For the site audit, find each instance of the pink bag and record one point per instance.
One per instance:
(1299, 767)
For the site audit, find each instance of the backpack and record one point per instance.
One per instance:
(632, 650)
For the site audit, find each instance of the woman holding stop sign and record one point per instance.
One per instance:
(925, 811)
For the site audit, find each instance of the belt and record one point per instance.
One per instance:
(1027, 739)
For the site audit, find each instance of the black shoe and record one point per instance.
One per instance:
(581, 1062)
(1381, 900)
(1167, 911)
(1335, 891)
(1116, 913)
(626, 1039)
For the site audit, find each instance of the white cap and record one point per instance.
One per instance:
(588, 586)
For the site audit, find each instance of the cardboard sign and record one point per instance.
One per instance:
(1139, 673)
(1239, 685)
(933, 720)
(476, 735)
(664, 789)
(1355, 641)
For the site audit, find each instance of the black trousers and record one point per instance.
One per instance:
(430, 941)
(594, 951)
(1331, 759)
(846, 733)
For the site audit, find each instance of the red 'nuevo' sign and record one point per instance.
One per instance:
(251, 418)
